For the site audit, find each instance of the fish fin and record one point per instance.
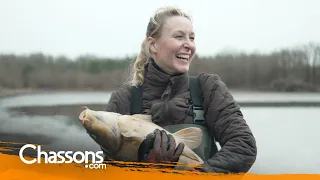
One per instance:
(124, 122)
(133, 137)
(191, 136)
(191, 155)
(143, 117)
(130, 133)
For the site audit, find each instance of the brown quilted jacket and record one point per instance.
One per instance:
(167, 97)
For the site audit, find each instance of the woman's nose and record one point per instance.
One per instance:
(188, 44)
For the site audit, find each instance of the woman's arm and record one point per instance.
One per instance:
(119, 101)
(226, 123)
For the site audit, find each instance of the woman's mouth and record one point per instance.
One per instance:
(183, 57)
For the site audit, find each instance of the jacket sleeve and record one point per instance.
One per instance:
(226, 123)
(119, 101)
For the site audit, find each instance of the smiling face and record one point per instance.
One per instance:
(174, 49)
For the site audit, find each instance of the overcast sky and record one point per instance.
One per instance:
(117, 28)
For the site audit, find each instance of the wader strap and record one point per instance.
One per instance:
(136, 100)
(197, 107)
(196, 100)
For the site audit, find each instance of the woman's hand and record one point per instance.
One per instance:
(159, 147)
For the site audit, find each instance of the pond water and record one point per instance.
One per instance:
(287, 137)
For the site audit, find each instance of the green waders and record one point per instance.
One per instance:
(207, 147)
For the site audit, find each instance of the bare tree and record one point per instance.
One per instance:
(312, 51)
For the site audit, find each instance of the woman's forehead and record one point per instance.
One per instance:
(178, 24)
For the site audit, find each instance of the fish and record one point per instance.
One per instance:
(121, 135)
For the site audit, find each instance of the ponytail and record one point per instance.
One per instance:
(138, 66)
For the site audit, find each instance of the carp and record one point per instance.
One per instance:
(121, 135)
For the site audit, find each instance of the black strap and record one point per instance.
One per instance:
(197, 100)
(195, 92)
(136, 100)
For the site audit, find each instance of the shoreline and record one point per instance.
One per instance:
(73, 110)
(4, 92)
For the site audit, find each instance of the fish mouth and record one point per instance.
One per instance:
(86, 118)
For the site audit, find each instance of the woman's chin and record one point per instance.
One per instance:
(181, 69)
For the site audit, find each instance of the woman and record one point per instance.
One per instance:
(161, 71)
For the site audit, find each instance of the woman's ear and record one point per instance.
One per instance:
(151, 43)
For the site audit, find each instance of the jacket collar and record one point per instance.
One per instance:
(156, 77)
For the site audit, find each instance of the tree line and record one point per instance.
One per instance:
(288, 69)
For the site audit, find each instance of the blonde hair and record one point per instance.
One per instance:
(153, 30)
